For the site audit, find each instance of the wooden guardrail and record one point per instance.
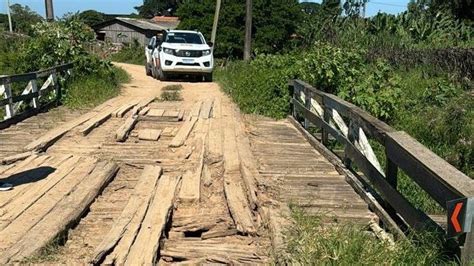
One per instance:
(33, 94)
(352, 127)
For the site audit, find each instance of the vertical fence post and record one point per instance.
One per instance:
(292, 91)
(307, 104)
(9, 111)
(56, 86)
(34, 89)
(326, 117)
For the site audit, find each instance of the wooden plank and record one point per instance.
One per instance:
(143, 105)
(144, 111)
(125, 108)
(155, 112)
(149, 134)
(64, 214)
(206, 109)
(171, 113)
(218, 233)
(181, 115)
(48, 139)
(145, 247)
(440, 179)
(141, 196)
(195, 110)
(191, 187)
(22, 202)
(123, 131)
(96, 121)
(15, 158)
(167, 132)
(183, 133)
(233, 187)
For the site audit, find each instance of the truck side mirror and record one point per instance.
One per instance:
(211, 44)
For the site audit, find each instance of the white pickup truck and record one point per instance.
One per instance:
(179, 52)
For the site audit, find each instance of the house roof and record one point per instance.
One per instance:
(141, 24)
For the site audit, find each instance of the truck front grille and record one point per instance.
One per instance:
(189, 53)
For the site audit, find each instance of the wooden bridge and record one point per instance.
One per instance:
(141, 180)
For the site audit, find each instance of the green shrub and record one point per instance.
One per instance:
(131, 54)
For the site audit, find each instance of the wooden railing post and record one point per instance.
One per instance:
(34, 89)
(57, 88)
(9, 111)
(307, 104)
(324, 132)
(292, 91)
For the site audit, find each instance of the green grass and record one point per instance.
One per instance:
(89, 91)
(132, 54)
(311, 242)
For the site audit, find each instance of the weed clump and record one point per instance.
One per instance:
(171, 93)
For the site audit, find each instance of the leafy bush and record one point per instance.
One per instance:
(131, 54)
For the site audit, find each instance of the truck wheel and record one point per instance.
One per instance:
(162, 75)
(148, 70)
(208, 77)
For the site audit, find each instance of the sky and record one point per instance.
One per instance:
(127, 6)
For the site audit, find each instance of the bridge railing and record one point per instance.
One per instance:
(352, 127)
(33, 94)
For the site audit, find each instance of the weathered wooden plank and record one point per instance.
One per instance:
(155, 112)
(191, 187)
(171, 113)
(145, 247)
(48, 139)
(218, 233)
(181, 115)
(123, 131)
(142, 105)
(141, 196)
(440, 179)
(183, 133)
(125, 108)
(206, 109)
(195, 110)
(233, 187)
(62, 216)
(144, 111)
(15, 158)
(96, 121)
(149, 134)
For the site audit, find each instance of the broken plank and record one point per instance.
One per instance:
(206, 109)
(191, 187)
(196, 109)
(123, 131)
(145, 247)
(141, 195)
(64, 214)
(96, 121)
(183, 133)
(15, 158)
(218, 233)
(144, 111)
(143, 105)
(125, 108)
(155, 112)
(149, 134)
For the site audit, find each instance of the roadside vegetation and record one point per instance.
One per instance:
(43, 45)
(133, 53)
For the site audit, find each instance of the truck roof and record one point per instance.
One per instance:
(184, 31)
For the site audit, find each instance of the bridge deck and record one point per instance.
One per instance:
(207, 204)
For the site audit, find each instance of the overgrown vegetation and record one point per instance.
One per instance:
(50, 44)
(310, 242)
(131, 53)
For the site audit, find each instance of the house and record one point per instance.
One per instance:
(125, 30)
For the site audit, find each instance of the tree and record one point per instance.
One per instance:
(92, 17)
(151, 8)
(273, 24)
(23, 18)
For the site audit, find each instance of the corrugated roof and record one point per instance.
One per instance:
(149, 25)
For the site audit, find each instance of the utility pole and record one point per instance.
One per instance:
(216, 20)
(49, 10)
(248, 30)
(9, 16)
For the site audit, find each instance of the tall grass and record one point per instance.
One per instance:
(89, 91)
(311, 242)
(132, 54)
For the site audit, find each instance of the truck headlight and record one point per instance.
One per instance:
(206, 52)
(168, 51)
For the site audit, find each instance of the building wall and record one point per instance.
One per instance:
(118, 33)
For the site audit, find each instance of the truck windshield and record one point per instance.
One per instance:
(183, 37)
